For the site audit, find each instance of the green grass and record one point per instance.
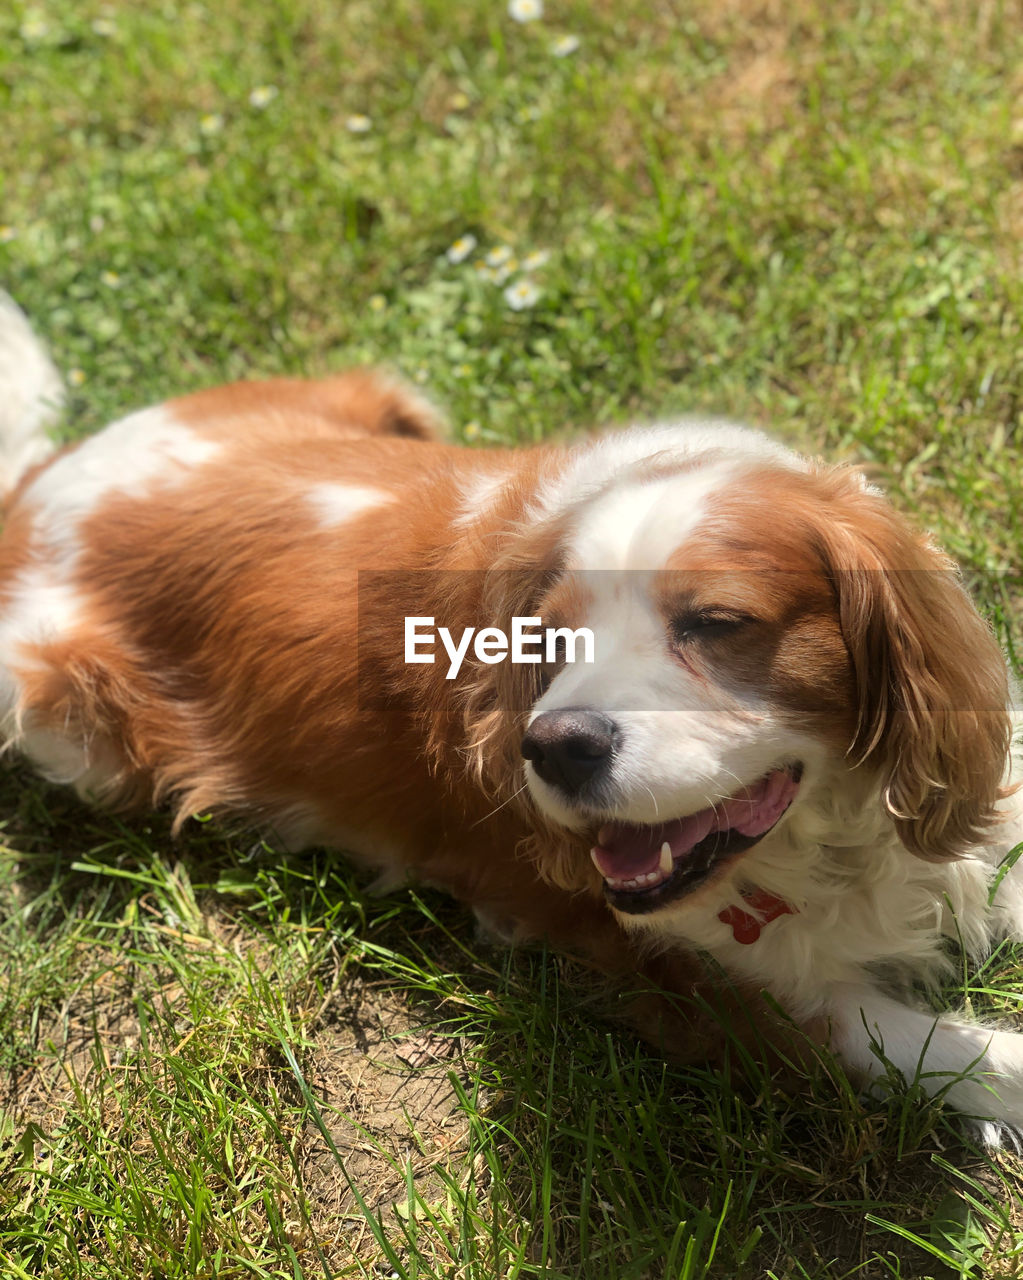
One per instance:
(804, 215)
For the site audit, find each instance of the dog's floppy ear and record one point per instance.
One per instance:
(931, 682)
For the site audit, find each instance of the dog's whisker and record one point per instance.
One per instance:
(487, 816)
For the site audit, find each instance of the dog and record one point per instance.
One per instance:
(748, 746)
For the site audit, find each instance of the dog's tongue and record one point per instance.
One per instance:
(625, 850)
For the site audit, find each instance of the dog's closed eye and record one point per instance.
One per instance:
(707, 624)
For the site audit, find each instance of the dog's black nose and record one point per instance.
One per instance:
(570, 747)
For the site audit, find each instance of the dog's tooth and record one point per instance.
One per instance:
(667, 861)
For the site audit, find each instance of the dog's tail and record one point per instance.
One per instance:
(31, 396)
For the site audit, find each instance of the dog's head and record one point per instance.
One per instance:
(768, 634)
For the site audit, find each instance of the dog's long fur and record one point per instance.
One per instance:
(204, 605)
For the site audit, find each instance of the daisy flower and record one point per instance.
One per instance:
(498, 257)
(76, 377)
(104, 27)
(378, 302)
(262, 96)
(535, 260)
(565, 46)
(525, 10)
(522, 294)
(504, 272)
(460, 250)
(7, 234)
(471, 431)
(358, 124)
(211, 123)
(111, 279)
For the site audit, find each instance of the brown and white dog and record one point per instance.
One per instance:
(788, 748)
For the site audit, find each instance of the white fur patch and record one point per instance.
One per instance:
(335, 504)
(40, 609)
(478, 495)
(31, 396)
(639, 525)
(131, 456)
(612, 457)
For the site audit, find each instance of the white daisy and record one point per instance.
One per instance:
(262, 96)
(104, 27)
(358, 124)
(565, 46)
(525, 10)
(535, 260)
(471, 431)
(499, 256)
(505, 272)
(76, 377)
(111, 279)
(460, 250)
(211, 123)
(522, 294)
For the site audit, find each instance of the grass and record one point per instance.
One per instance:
(804, 215)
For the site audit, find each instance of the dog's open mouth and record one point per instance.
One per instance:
(646, 867)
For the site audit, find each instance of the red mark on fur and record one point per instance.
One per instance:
(745, 927)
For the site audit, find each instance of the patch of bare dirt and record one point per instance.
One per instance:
(388, 1103)
(92, 1030)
